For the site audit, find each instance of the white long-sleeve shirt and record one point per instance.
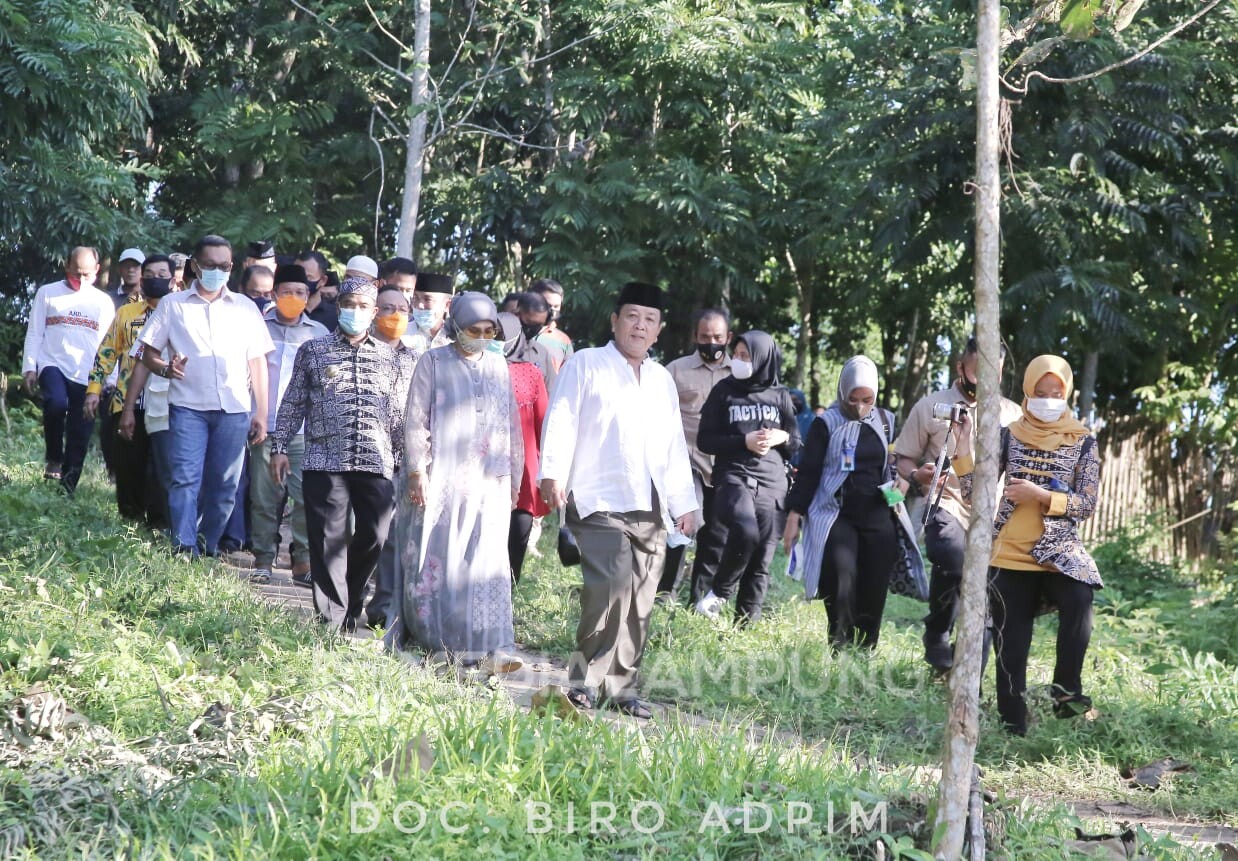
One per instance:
(612, 437)
(65, 329)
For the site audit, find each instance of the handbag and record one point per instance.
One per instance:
(569, 550)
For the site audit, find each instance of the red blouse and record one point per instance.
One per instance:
(532, 401)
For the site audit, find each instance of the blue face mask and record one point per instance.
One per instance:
(212, 280)
(425, 318)
(354, 321)
(494, 345)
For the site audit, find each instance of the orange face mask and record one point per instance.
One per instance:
(392, 326)
(289, 306)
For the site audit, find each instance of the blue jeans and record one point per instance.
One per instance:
(206, 450)
(66, 430)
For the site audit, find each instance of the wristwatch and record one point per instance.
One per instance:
(166, 372)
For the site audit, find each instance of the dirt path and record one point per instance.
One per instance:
(542, 670)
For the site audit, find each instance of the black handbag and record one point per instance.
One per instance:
(569, 550)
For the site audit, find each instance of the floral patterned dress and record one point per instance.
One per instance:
(462, 432)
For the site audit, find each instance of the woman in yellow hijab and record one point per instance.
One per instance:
(1052, 477)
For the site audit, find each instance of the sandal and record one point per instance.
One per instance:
(631, 707)
(1071, 706)
(582, 698)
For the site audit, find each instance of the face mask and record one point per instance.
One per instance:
(1046, 409)
(473, 346)
(290, 307)
(212, 280)
(156, 288)
(494, 345)
(354, 321)
(392, 326)
(532, 330)
(740, 369)
(425, 318)
(967, 387)
(261, 302)
(78, 283)
(710, 352)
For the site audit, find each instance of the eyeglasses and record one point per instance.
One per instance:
(212, 267)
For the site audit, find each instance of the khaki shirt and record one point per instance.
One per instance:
(923, 436)
(695, 380)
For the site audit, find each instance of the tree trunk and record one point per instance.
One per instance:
(958, 756)
(804, 293)
(414, 160)
(1087, 386)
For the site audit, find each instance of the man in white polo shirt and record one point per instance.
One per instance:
(67, 323)
(219, 344)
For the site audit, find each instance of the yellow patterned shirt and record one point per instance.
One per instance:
(130, 318)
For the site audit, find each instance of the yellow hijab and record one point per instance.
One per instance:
(1047, 436)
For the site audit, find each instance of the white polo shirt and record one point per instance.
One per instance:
(219, 338)
(65, 329)
(613, 438)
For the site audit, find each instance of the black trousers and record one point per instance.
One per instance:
(672, 568)
(749, 514)
(66, 430)
(341, 569)
(946, 540)
(138, 493)
(710, 540)
(855, 570)
(1015, 597)
(108, 438)
(518, 540)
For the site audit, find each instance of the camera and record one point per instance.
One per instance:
(952, 413)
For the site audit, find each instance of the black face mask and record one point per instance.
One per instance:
(710, 352)
(156, 288)
(261, 302)
(967, 387)
(532, 330)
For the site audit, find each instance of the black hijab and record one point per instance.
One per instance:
(766, 361)
(514, 342)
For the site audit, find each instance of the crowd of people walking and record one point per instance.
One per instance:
(415, 436)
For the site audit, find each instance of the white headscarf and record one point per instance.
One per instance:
(859, 373)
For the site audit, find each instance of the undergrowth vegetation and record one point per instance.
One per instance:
(155, 707)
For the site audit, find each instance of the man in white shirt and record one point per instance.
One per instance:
(219, 344)
(613, 452)
(67, 323)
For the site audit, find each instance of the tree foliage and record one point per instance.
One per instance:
(807, 165)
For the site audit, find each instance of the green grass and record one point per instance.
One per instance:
(214, 726)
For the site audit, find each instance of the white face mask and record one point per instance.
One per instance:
(740, 369)
(1046, 409)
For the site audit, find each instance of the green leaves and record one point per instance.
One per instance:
(1078, 19)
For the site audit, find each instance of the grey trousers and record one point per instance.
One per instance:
(621, 558)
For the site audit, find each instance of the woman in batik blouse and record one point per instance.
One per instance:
(1052, 474)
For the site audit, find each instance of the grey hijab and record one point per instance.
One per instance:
(470, 308)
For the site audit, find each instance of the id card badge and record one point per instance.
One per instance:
(848, 464)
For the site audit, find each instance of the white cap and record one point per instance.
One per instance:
(134, 254)
(364, 265)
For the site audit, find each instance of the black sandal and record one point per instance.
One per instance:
(581, 698)
(631, 707)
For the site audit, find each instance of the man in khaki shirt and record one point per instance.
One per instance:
(945, 535)
(695, 375)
